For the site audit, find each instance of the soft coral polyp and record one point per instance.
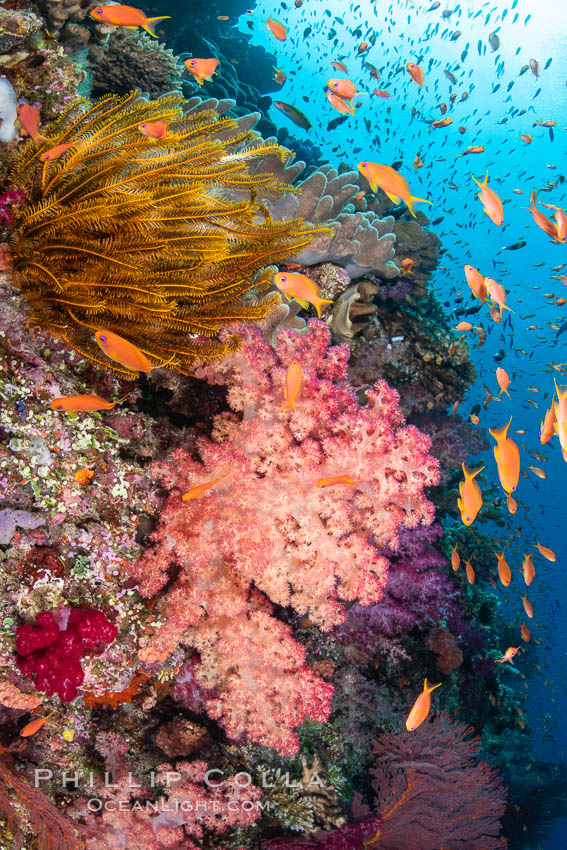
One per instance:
(54, 655)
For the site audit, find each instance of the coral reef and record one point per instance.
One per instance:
(360, 242)
(309, 547)
(132, 60)
(116, 200)
(52, 649)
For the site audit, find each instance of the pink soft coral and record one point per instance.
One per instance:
(266, 525)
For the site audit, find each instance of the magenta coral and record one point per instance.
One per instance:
(266, 525)
(417, 593)
(53, 653)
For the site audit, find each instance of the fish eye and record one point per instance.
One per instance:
(283, 278)
(143, 125)
(102, 338)
(58, 407)
(365, 165)
(98, 11)
(193, 62)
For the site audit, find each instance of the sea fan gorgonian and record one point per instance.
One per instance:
(161, 241)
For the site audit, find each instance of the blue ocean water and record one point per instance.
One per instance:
(504, 100)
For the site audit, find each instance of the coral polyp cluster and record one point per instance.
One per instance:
(160, 240)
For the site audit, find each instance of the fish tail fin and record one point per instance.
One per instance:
(476, 181)
(472, 473)
(500, 433)
(317, 305)
(149, 24)
(429, 688)
(486, 180)
(561, 394)
(414, 199)
(289, 403)
(507, 393)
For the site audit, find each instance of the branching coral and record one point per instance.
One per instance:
(159, 241)
(431, 793)
(266, 525)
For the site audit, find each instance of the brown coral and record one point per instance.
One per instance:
(443, 644)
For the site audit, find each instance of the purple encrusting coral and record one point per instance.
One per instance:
(52, 650)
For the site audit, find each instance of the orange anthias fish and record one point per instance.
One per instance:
(73, 403)
(547, 429)
(421, 707)
(508, 655)
(542, 221)
(473, 149)
(507, 456)
(344, 88)
(339, 66)
(497, 293)
(391, 182)
(549, 554)
(339, 104)
(470, 496)
(491, 203)
(561, 418)
(471, 576)
(28, 119)
(154, 129)
(34, 725)
(301, 288)
(528, 607)
(277, 29)
(416, 73)
(463, 326)
(503, 381)
(417, 162)
(443, 122)
(407, 265)
(279, 76)
(528, 568)
(362, 47)
(527, 140)
(197, 490)
(526, 634)
(455, 559)
(55, 152)
(476, 282)
(512, 504)
(336, 479)
(202, 69)
(504, 571)
(382, 93)
(126, 16)
(122, 351)
(293, 382)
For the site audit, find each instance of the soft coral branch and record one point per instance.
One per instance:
(266, 525)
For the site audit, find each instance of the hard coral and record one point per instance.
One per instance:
(266, 525)
(128, 60)
(118, 209)
(54, 654)
(360, 241)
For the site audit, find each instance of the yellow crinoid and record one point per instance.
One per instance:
(161, 241)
